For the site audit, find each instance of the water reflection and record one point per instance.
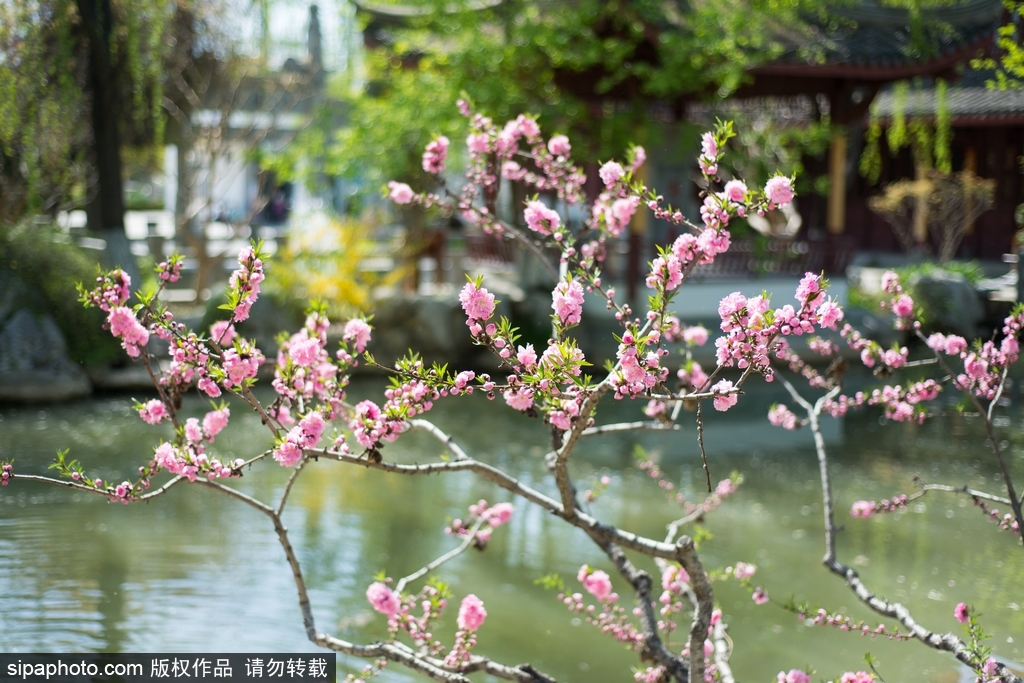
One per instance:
(193, 571)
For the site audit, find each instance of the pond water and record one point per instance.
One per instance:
(193, 571)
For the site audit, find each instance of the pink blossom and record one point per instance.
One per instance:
(781, 416)
(809, 285)
(639, 157)
(610, 174)
(759, 596)
(696, 335)
(400, 193)
(499, 514)
(223, 332)
(541, 219)
(435, 155)
(856, 677)
(527, 356)
(735, 191)
(725, 401)
(288, 453)
(673, 578)
(598, 584)
(153, 411)
(559, 145)
(383, 599)
(305, 352)
(779, 190)
(193, 432)
(829, 313)
(209, 387)
(471, 613)
(567, 302)
(623, 209)
(890, 281)
(743, 571)
(709, 146)
(730, 306)
(519, 399)
(167, 458)
(990, 667)
(478, 143)
(528, 127)
(962, 613)
(215, 421)
(312, 428)
(793, 676)
(863, 509)
(477, 302)
(903, 307)
(357, 331)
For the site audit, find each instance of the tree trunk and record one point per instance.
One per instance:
(106, 208)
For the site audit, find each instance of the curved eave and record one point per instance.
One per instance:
(875, 72)
(989, 120)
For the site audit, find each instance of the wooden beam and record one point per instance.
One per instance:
(971, 168)
(837, 183)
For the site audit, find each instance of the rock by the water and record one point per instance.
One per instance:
(34, 365)
(951, 304)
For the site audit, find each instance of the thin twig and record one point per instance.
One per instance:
(451, 554)
(291, 481)
(700, 442)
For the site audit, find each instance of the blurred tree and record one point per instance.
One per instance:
(68, 62)
(587, 67)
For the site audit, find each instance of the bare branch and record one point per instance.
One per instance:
(490, 473)
(642, 586)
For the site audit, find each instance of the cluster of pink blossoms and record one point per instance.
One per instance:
(190, 461)
(871, 354)
(435, 154)
(541, 219)
(170, 271)
(241, 363)
(6, 472)
(638, 369)
(478, 304)
(470, 619)
(126, 327)
(752, 327)
(902, 305)
(244, 283)
(793, 676)
(781, 416)
(112, 290)
(491, 517)
(371, 424)
(866, 508)
(611, 618)
(304, 435)
(567, 302)
(304, 371)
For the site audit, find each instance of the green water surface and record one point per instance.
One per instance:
(194, 571)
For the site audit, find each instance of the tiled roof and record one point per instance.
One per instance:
(872, 35)
(963, 102)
